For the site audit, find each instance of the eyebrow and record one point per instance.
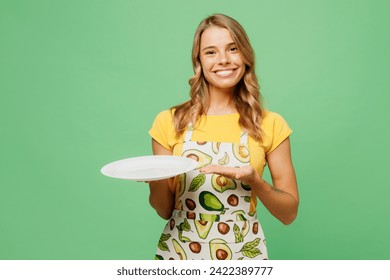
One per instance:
(212, 47)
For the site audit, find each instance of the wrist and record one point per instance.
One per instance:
(254, 180)
(259, 184)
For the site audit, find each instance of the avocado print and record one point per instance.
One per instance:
(223, 228)
(197, 182)
(250, 249)
(221, 183)
(182, 183)
(240, 215)
(219, 250)
(241, 152)
(241, 233)
(195, 247)
(184, 226)
(255, 228)
(162, 245)
(245, 186)
(224, 160)
(202, 158)
(203, 228)
(191, 205)
(233, 200)
(210, 202)
(179, 250)
(209, 217)
(191, 215)
(215, 147)
(171, 223)
(245, 228)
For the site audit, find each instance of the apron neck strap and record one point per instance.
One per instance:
(244, 138)
(189, 132)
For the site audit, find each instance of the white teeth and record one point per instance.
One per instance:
(224, 72)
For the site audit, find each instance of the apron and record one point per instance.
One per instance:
(212, 218)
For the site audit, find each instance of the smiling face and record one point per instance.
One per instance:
(220, 59)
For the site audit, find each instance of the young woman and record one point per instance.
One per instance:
(212, 210)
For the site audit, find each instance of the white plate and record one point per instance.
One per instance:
(149, 168)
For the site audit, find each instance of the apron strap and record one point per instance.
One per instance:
(244, 138)
(189, 132)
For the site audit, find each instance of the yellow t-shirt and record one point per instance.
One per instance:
(224, 128)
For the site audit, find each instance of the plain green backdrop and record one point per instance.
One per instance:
(81, 82)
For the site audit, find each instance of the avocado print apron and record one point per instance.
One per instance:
(212, 218)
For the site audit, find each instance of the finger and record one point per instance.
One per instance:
(221, 170)
(212, 168)
(207, 169)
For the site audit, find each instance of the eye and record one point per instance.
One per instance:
(209, 52)
(233, 49)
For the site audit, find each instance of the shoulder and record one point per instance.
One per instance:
(272, 120)
(275, 130)
(166, 115)
(163, 130)
(164, 119)
(270, 117)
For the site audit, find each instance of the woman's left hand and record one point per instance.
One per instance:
(245, 173)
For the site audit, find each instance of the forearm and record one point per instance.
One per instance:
(161, 198)
(279, 203)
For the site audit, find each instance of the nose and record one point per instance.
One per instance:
(223, 58)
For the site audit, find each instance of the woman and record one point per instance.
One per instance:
(212, 210)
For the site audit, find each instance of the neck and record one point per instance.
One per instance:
(221, 102)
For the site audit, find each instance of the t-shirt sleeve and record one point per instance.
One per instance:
(162, 129)
(279, 131)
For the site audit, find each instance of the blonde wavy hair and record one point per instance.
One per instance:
(247, 95)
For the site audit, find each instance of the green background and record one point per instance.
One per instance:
(81, 82)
